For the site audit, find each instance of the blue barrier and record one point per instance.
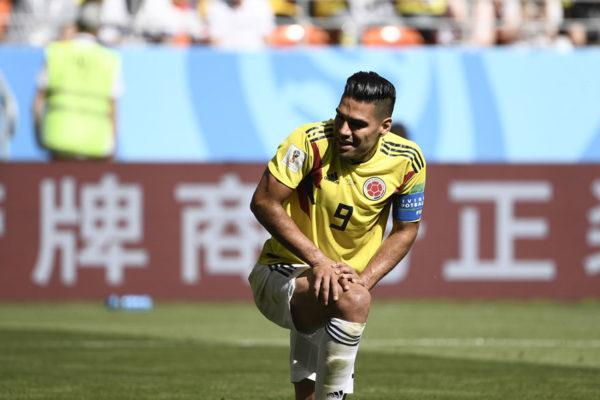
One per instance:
(461, 105)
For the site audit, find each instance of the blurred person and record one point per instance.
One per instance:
(239, 24)
(342, 29)
(192, 26)
(169, 21)
(115, 20)
(366, 13)
(512, 22)
(369, 12)
(8, 117)
(581, 30)
(325, 198)
(438, 21)
(541, 22)
(78, 89)
(578, 34)
(5, 11)
(37, 22)
(353, 17)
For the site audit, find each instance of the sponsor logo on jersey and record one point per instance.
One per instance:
(294, 158)
(374, 188)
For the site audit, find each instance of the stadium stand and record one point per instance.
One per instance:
(536, 23)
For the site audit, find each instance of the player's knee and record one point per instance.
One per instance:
(354, 304)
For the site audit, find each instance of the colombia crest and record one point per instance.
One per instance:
(374, 188)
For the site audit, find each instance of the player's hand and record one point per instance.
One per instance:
(361, 280)
(325, 282)
(345, 274)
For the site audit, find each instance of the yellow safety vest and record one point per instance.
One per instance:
(81, 76)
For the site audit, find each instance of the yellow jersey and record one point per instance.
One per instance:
(343, 207)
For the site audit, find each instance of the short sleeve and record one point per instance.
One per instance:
(293, 160)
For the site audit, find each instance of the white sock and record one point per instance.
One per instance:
(337, 352)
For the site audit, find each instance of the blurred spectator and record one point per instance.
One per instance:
(530, 23)
(192, 29)
(240, 24)
(37, 22)
(78, 89)
(5, 11)
(351, 17)
(236, 24)
(8, 117)
(578, 34)
(438, 21)
(370, 13)
(582, 31)
(115, 22)
(541, 21)
(169, 21)
(333, 15)
(494, 22)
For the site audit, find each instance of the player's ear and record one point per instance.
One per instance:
(386, 125)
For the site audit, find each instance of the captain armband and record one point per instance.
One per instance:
(408, 207)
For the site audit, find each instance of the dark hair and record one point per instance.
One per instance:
(88, 17)
(370, 87)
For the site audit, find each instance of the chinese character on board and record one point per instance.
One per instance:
(216, 221)
(592, 262)
(508, 228)
(2, 221)
(108, 218)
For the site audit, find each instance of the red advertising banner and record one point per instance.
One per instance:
(185, 231)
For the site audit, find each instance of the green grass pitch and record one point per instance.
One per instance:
(451, 350)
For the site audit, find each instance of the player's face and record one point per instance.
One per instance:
(357, 129)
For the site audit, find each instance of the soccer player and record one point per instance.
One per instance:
(325, 198)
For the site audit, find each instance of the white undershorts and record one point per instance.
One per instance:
(272, 287)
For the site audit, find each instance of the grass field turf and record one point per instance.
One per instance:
(410, 350)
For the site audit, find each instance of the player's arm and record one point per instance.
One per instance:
(116, 94)
(267, 206)
(39, 105)
(392, 251)
(39, 102)
(407, 208)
